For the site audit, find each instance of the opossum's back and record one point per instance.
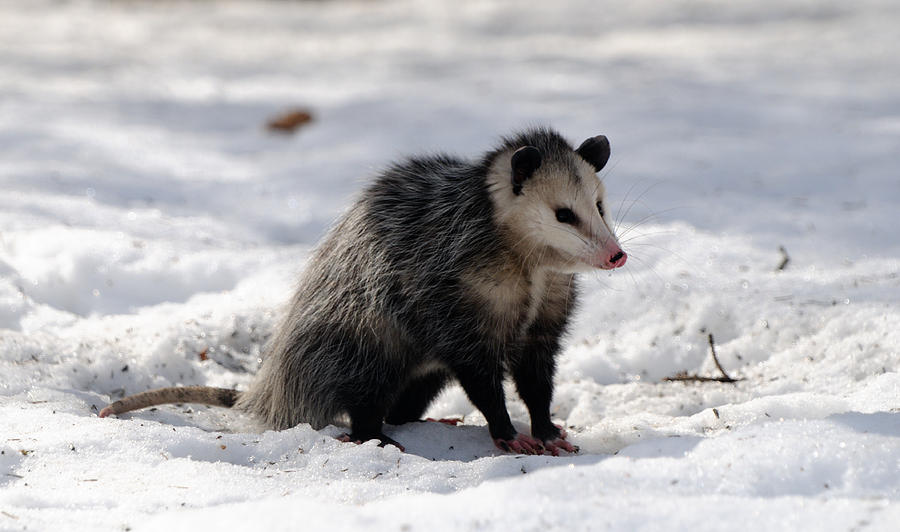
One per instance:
(430, 213)
(396, 257)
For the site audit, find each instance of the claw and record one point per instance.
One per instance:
(552, 449)
(345, 438)
(560, 443)
(521, 444)
(348, 438)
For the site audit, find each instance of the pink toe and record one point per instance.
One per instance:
(566, 446)
(445, 420)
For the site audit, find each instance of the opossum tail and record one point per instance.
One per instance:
(206, 395)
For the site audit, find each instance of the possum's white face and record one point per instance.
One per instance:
(557, 216)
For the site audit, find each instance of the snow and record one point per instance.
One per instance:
(147, 217)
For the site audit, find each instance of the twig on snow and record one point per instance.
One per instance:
(785, 259)
(712, 348)
(684, 376)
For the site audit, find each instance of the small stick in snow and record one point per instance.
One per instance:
(785, 259)
(712, 348)
(683, 376)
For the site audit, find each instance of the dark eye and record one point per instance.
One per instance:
(600, 208)
(566, 216)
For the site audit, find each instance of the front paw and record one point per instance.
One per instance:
(520, 444)
(555, 441)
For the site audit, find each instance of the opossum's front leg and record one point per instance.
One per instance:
(533, 373)
(483, 383)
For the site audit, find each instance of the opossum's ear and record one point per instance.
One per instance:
(524, 162)
(595, 151)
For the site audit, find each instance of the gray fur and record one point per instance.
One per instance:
(420, 282)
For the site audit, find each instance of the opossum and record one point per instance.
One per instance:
(443, 269)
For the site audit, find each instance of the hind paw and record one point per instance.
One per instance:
(382, 439)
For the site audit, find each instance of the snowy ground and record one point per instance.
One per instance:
(147, 217)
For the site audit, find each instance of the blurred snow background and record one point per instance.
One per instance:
(151, 229)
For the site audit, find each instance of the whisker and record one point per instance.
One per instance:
(648, 218)
(597, 277)
(622, 203)
(661, 248)
(649, 267)
(648, 234)
(624, 215)
(640, 196)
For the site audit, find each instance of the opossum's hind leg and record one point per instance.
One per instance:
(180, 394)
(384, 439)
(415, 398)
(366, 421)
(365, 397)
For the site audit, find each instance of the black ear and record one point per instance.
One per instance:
(524, 163)
(595, 151)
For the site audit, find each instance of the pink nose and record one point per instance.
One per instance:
(618, 259)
